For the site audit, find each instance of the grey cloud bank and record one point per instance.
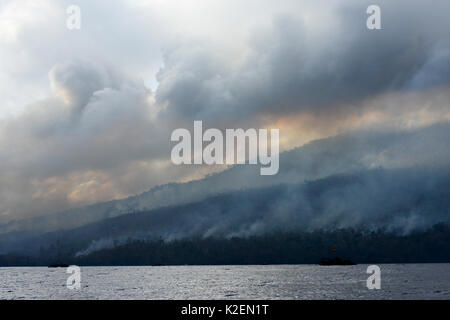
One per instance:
(290, 66)
(98, 132)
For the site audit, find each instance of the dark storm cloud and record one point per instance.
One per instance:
(291, 66)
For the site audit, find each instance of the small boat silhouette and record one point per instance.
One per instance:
(58, 265)
(336, 262)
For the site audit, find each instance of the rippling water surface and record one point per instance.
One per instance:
(408, 281)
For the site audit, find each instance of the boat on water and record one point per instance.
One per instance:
(336, 261)
(58, 265)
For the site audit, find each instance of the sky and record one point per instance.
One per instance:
(86, 115)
